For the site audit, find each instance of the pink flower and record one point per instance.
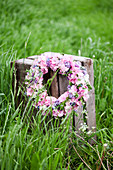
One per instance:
(27, 77)
(63, 97)
(73, 78)
(44, 70)
(40, 103)
(43, 95)
(54, 63)
(30, 91)
(55, 113)
(36, 86)
(35, 105)
(63, 68)
(68, 107)
(60, 113)
(50, 100)
(81, 91)
(85, 97)
(73, 89)
(78, 102)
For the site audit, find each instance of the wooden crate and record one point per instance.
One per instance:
(59, 86)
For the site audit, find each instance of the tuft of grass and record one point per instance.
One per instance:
(54, 25)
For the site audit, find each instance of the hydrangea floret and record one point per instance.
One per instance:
(77, 90)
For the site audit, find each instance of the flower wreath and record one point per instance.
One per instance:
(77, 90)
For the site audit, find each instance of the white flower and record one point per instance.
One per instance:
(105, 145)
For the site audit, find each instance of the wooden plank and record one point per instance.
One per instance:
(21, 66)
(78, 120)
(63, 83)
(88, 64)
(90, 104)
(54, 85)
(20, 71)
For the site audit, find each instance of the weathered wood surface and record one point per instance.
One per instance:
(90, 104)
(79, 120)
(54, 85)
(59, 85)
(21, 66)
(63, 83)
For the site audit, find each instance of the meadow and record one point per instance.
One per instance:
(73, 27)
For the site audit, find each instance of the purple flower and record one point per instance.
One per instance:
(67, 64)
(70, 95)
(33, 74)
(52, 107)
(77, 90)
(76, 65)
(36, 81)
(69, 74)
(31, 80)
(68, 87)
(72, 103)
(67, 78)
(35, 66)
(48, 62)
(84, 72)
(56, 103)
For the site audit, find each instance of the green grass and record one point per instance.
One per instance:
(32, 27)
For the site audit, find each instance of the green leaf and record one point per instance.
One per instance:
(34, 162)
(80, 166)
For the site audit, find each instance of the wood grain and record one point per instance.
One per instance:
(90, 104)
(63, 83)
(78, 120)
(54, 85)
